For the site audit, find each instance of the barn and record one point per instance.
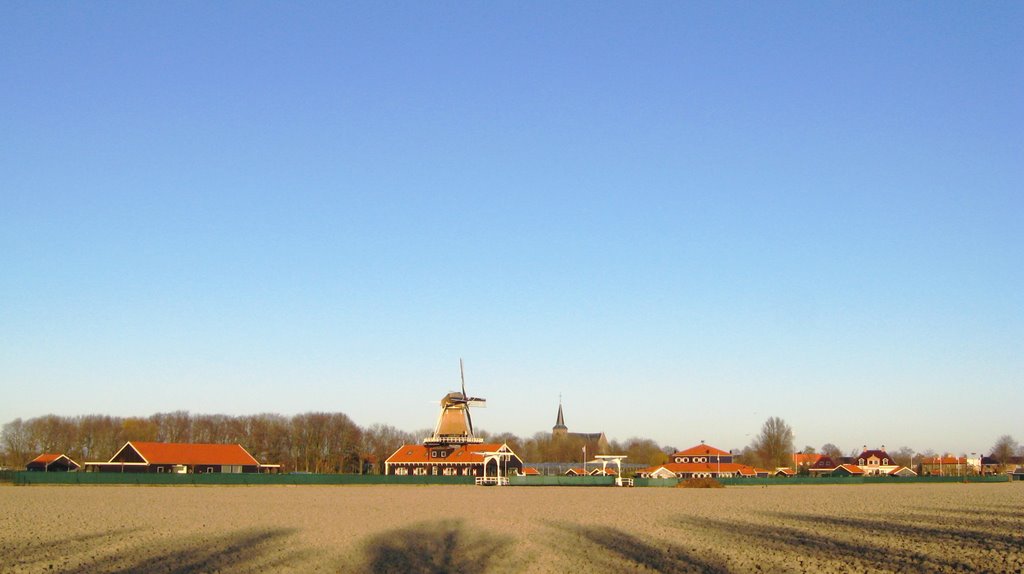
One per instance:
(180, 458)
(52, 463)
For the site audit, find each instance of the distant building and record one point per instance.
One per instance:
(595, 442)
(453, 460)
(944, 466)
(876, 462)
(702, 461)
(802, 462)
(54, 462)
(181, 458)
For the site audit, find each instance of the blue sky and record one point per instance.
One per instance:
(684, 218)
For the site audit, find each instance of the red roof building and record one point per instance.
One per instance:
(701, 461)
(52, 462)
(701, 453)
(453, 460)
(180, 458)
(945, 465)
(848, 470)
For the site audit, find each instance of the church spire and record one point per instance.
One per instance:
(559, 428)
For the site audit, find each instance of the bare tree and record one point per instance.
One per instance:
(644, 451)
(381, 441)
(774, 445)
(904, 456)
(832, 451)
(17, 445)
(1004, 449)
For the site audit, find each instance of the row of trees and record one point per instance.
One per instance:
(311, 442)
(308, 442)
(332, 442)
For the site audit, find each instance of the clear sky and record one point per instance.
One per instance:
(682, 217)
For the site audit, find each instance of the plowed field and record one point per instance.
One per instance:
(863, 528)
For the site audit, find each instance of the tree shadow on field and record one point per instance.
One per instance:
(435, 547)
(962, 521)
(605, 548)
(782, 543)
(959, 533)
(241, 551)
(1011, 512)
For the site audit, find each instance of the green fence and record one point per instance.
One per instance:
(561, 480)
(655, 481)
(26, 478)
(823, 480)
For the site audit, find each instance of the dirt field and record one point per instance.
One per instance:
(863, 528)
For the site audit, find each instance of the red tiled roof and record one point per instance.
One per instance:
(702, 450)
(192, 454)
(936, 460)
(712, 467)
(530, 471)
(418, 453)
(801, 458)
(46, 458)
(851, 468)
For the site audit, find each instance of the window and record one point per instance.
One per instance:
(448, 471)
(401, 471)
(159, 469)
(419, 471)
(433, 454)
(209, 469)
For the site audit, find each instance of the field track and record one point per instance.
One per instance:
(864, 528)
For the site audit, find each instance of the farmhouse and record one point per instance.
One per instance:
(701, 461)
(876, 462)
(52, 463)
(454, 460)
(164, 457)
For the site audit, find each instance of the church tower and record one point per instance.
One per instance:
(559, 430)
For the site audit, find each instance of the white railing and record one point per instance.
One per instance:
(492, 481)
(623, 481)
(452, 440)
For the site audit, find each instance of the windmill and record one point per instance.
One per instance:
(455, 424)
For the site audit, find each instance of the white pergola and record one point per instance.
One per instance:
(500, 456)
(616, 459)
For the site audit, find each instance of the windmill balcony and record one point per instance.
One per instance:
(447, 439)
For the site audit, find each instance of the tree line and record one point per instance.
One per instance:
(330, 442)
(309, 442)
(318, 442)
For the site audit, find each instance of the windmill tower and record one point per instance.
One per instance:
(455, 424)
